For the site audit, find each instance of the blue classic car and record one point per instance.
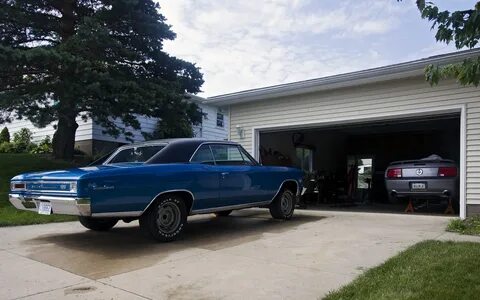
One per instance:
(160, 183)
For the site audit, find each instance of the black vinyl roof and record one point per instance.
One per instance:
(178, 150)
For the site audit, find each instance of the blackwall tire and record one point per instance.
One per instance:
(283, 205)
(224, 213)
(165, 220)
(97, 224)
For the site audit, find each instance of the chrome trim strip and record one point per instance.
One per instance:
(230, 207)
(280, 188)
(240, 206)
(47, 191)
(60, 205)
(170, 191)
(53, 198)
(118, 214)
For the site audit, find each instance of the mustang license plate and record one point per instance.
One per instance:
(45, 208)
(418, 186)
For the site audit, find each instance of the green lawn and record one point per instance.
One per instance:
(13, 164)
(470, 226)
(428, 270)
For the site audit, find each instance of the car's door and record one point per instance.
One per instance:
(239, 176)
(207, 179)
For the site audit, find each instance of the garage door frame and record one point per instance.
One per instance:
(461, 109)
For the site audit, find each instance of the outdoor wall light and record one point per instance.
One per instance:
(240, 131)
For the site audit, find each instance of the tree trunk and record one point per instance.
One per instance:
(64, 138)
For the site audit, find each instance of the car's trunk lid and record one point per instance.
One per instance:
(70, 174)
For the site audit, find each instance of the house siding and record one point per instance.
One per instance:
(84, 130)
(90, 131)
(368, 101)
(209, 128)
(146, 124)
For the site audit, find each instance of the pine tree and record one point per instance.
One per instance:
(4, 136)
(104, 59)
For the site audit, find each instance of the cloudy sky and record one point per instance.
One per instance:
(245, 44)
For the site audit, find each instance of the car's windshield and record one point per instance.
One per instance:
(138, 154)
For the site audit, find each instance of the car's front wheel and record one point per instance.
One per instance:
(283, 205)
(97, 224)
(165, 219)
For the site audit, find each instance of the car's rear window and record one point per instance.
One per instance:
(135, 154)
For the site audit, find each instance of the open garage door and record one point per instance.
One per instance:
(348, 161)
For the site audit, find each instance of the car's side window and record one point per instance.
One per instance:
(227, 155)
(203, 156)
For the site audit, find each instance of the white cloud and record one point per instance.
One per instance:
(246, 44)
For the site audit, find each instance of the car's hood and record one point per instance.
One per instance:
(70, 174)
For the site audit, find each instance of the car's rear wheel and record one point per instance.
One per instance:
(223, 213)
(98, 224)
(165, 219)
(283, 205)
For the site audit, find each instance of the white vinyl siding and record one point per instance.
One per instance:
(89, 130)
(146, 124)
(368, 101)
(209, 129)
(84, 130)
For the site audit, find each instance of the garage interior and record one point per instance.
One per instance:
(345, 164)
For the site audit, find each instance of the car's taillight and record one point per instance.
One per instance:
(17, 186)
(447, 172)
(394, 173)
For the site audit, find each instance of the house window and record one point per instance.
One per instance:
(304, 158)
(220, 119)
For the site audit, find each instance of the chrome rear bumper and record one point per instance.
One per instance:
(60, 205)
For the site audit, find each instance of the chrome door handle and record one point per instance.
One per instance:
(224, 174)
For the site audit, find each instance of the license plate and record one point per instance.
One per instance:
(45, 208)
(419, 186)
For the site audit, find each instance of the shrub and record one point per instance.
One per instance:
(4, 136)
(22, 140)
(45, 146)
(7, 147)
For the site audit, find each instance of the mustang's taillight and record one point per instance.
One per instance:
(447, 172)
(394, 173)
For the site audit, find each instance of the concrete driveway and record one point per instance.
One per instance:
(245, 255)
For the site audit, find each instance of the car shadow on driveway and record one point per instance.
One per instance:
(101, 254)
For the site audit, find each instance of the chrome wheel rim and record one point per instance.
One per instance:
(286, 204)
(169, 217)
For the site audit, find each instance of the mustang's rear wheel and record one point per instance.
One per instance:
(165, 219)
(223, 213)
(97, 224)
(283, 205)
